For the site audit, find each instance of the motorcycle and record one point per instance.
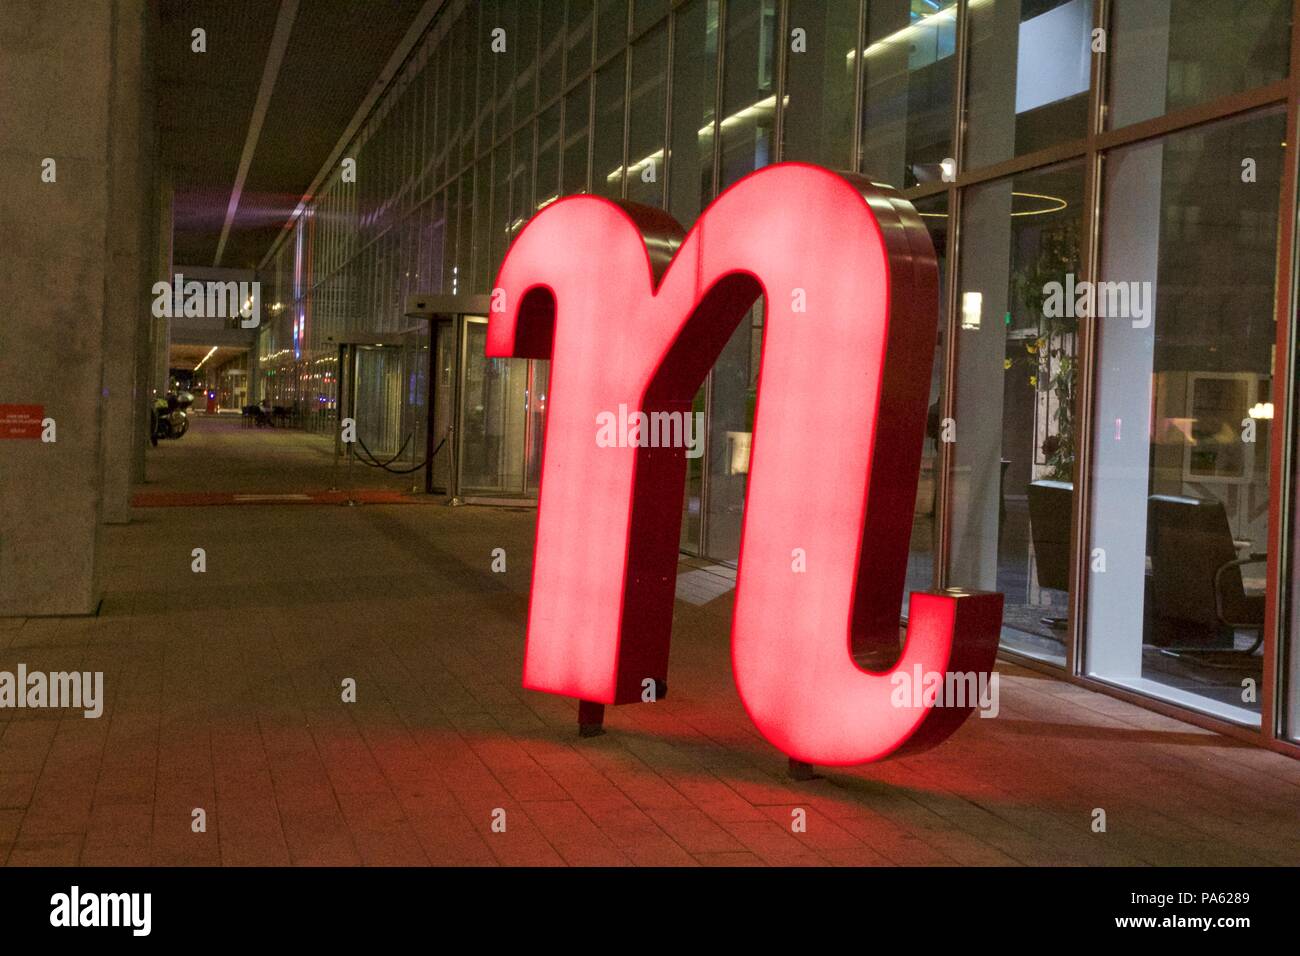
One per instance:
(169, 417)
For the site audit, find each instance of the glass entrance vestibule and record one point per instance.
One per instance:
(427, 402)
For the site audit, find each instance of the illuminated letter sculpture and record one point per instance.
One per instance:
(632, 313)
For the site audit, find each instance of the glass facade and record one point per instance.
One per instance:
(1110, 196)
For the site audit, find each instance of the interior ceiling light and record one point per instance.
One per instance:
(205, 358)
(1048, 204)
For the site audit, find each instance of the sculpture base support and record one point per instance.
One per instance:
(802, 771)
(591, 719)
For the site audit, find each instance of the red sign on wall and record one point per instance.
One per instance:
(21, 421)
(632, 315)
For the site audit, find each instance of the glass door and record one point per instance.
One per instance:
(444, 398)
(494, 418)
(539, 377)
(377, 399)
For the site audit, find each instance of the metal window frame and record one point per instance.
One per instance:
(1092, 149)
(358, 242)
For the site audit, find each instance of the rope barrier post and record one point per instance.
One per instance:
(352, 481)
(352, 413)
(338, 418)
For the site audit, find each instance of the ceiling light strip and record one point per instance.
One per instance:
(270, 72)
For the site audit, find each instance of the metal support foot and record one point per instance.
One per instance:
(591, 719)
(802, 771)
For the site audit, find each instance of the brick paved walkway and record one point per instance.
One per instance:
(223, 693)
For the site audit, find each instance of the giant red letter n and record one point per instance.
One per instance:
(631, 313)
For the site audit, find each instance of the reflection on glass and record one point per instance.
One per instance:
(818, 125)
(548, 156)
(924, 542)
(577, 39)
(731, 426)
(1181, 451)
(607, 131)
(1014, 428)
(550, 53)
(446, 211)
(493, 418)
(907, 83)
(695, 68)
(539, 377)
(576, 123)
(646, 12)
(748, 98)
(690, 185)
(378, 400)
(611, 26)
(1162, 58)
(645, 138)
(501, 163)
(525, 72)
(464, 93)
(521, 183)
(749, 113)
(482, 253)
(444, 390)
(507, 17)
(1028, 74)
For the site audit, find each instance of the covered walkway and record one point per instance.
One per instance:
(223, 694)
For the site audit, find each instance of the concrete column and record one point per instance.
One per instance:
(132, 188)
(1122, 451)
(161, 326)
(981, 351)
(57, 283)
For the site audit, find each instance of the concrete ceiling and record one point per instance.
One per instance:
(188, 356)
(277, 88)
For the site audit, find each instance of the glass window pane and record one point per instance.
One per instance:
(645, 151)
(576, 124)
(607, 131)
(482, 107)
(445, 240)
(525, 83)
(539, 380)
(483, 266)
(690, 181)
(507, 18)
(731, 428)
(749, 113)
(461, 272)
(818, 124)
(1160, 59)
(748, 101)
(551, 52)
(1028, 73)
(493, 418)
(695, 69)
(925, 528)
(501, 162)
(548, 156)
(1014, 430)
(1181, 472)
(611, 27)
(646, 12)
(521, 183)
(577, 38)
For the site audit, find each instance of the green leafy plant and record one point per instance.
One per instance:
(1049, 357)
